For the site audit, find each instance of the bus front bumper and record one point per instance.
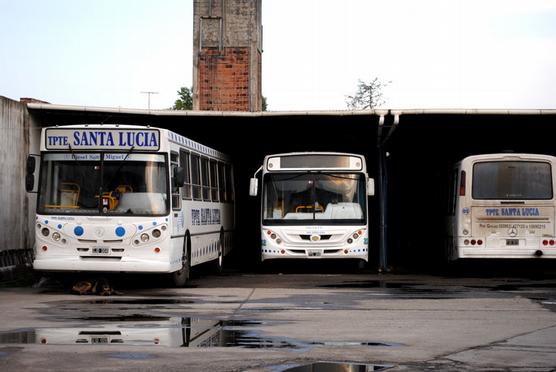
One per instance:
(105, 265)
(301, 252)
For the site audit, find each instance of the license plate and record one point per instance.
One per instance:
(512, 241)
(99, 340)
(313, 252)
(100, 250)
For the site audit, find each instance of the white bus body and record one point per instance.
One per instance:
(502, 206)
(108, 201)
(314, 205)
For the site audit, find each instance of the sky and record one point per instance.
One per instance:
(445, 54)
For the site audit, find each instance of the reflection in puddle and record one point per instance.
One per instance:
(140, 301)
(337, 367)
(168, 332)
(140, 330)
(132, 356)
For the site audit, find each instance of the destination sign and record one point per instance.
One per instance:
(101, 139)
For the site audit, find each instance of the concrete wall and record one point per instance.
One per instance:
(227, 55)
(18, 137)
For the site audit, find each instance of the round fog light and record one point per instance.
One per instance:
(56, 236)
(45, 232)
(350, 241)
(278, 240)
(144, 237)
(156, 233)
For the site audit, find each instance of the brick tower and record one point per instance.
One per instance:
(227, 53)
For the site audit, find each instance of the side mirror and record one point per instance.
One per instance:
(371, 187)
(179, 176)
(30, 174)
(29, 182)
(253, 187)
(31, 164)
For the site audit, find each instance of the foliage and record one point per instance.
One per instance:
(264, 106)
(185, 99)
(368, 95)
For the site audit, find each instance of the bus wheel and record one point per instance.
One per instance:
(179, 278)
(219, 263)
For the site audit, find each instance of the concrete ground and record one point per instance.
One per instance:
(274, 320)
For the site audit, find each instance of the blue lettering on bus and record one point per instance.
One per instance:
(101, 138)
(512, 212)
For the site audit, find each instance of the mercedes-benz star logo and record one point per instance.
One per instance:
(512, 231)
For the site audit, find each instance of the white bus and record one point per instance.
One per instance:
(314, 205)
(502, 206)
(120, 198)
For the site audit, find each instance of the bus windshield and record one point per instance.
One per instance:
(507, 180)
(122, 184)
(314, 199)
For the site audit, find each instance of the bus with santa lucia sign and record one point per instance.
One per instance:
(121, 198)
(314, 206)
(502, 206)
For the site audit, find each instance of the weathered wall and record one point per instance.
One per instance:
(16, 206)
(227, 55)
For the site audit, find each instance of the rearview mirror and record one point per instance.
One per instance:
(29, 182)
(30, 166)
(371, 187)
(253, 187)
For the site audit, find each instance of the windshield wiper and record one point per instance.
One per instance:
(72, 153)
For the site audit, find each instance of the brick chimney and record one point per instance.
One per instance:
(227, 53)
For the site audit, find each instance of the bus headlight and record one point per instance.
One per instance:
(56, 236)
(156, 233)
(144, 237)
(45, 231)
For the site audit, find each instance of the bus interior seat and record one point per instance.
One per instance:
(69, 194)
(141, 203)
(341, 211)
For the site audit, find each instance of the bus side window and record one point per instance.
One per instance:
(222, 182)
(205, 178)
(196, 176)
(184, 162)
(213, 181)
(229, 184)
(176, 200)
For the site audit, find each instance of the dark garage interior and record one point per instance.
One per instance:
(420, 149)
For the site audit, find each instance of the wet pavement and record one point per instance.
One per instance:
(288, 321)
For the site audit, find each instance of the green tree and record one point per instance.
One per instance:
(185, 99)
(368, 95)
(264, 104)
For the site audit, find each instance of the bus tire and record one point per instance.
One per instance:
(179, 278)
(219, 262)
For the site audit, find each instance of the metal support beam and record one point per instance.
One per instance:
(382, 205)
(383, 136)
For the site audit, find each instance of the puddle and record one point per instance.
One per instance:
(124, 318)
(140, 301)
(142, 330)
(355, 343)
(367, 284)
(173, 332)
(337, 367)
(132, 356)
